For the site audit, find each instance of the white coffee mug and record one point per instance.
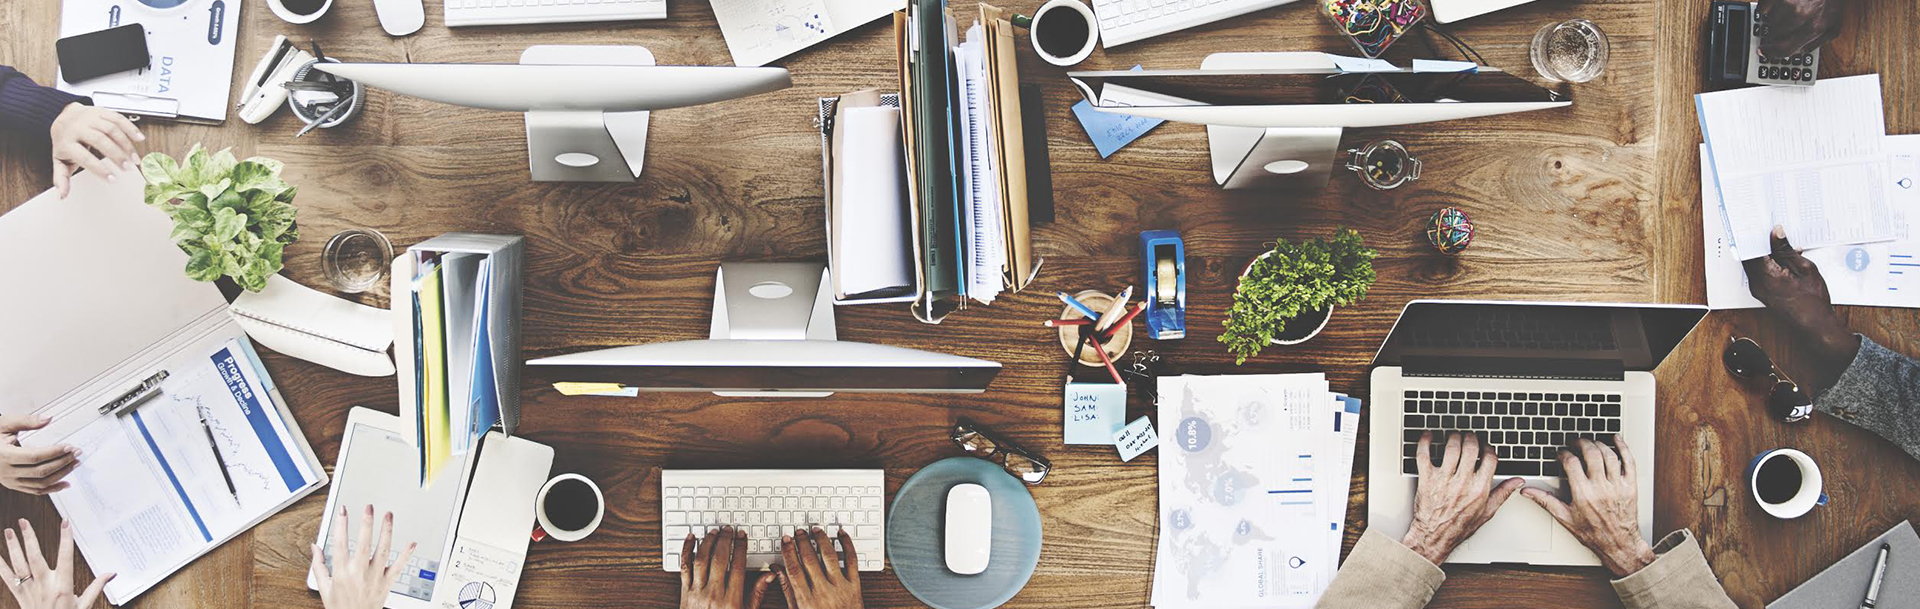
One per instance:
(1039, 26)
(280, 10)
(1804, 500)
(547, 530)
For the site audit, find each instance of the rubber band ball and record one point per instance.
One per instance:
(1450, 230)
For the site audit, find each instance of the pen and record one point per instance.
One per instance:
(1879, 573)
(1057, 323)
(1113, 311)
(1090, 313)
(217, 457)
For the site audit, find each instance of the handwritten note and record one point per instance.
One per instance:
(1093, 411)
(1137, 437)
(1109, 131)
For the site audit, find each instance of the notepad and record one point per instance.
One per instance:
(1092, 412)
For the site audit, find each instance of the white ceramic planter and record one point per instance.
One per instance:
(1309, 336)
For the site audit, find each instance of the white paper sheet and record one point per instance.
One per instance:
(985, 248)
(1807, 158)
(759, 32)
(874, 249)
(1242, 521)
(1876, 274)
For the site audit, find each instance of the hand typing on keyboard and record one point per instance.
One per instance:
(359, 576)
(714, 574)
(815, 576)
(1455, 497)
(1604, 512)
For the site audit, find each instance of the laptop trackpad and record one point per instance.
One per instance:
(1519, 528)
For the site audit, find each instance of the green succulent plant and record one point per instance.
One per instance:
(233, 218)
(1295, 278)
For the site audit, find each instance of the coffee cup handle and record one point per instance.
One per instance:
(1822, 500)
(540, 533)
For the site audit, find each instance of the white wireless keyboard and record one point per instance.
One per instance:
(505, 12)
(1124, 21)
(769, 503)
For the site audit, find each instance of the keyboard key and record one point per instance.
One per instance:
(1433, 420)
(1411, 394)
(1473, 395)
(1552, 397)
(1609, 410)
(1580, 397)
(1506, 423)
(1459, 395)
(1505, 396)
(1533, 408)
(1613, 425)
(1586, 424)
(1517, 468)
(1407, 466)
(1425, 406)
(1426, 394)
(1524, 422)
(1410, 435)
(1414, 421)
(1551, 468)
(1593, 410)
(1560, 410)
(1535, 397)
(1446, 422)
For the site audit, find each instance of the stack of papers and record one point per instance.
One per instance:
(456, 400)
(1810, 159)
(1885, 274)
(1254, 474)
(984, 246)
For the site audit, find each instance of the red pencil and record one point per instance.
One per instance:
(1101, 348)
(1109, 332)
(1056, 323)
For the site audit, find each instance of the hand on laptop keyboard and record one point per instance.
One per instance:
(824, 579)
(358, 576)
(1604, 512)
(715, 573)
(1455, 497)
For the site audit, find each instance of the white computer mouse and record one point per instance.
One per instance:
(969, 531)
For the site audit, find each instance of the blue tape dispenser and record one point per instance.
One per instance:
(1165, 259)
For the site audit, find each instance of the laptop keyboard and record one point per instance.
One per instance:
(1526, 430)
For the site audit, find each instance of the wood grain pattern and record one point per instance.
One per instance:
(1593, 202)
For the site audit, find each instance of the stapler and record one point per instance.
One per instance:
(264, 92)
(1165, 258)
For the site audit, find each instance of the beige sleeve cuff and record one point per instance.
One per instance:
(1382, 574)
(1679, 578)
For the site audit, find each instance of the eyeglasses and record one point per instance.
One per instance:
(1746, 360)
(1017, 461)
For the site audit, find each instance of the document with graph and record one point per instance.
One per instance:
(151, 494)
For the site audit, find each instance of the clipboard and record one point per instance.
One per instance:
(189, 75)
(117, 328)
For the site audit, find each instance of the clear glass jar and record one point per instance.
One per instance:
(1574, 50)
(1383, 164)
(356, 259)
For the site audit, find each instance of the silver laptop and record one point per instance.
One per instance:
(1528, 378)
(1449, 11)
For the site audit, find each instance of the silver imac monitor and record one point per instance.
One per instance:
(1276, 119)
(772, 335)
(586, 106)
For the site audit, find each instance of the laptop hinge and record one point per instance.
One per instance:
(1514, 368)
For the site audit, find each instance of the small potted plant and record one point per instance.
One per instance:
(233, 218)
(1286, 295)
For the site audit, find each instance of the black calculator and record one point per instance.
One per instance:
(1800, 69)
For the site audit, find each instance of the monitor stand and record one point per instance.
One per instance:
(1283, 158)
(772, 301)
(586, 145)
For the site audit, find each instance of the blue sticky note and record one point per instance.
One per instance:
(1110, 132)
(1093, 411)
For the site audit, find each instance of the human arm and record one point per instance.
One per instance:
(713, 572)
(1603, 513)
(36, 470)
(80, 135)
(1454, 499)
(35, 584)
(1799, 26)
(1868, 385)
(357, 578)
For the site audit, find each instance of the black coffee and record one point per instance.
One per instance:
(303, 7)
(571, 505)
(1063, 31)
(1779, 479)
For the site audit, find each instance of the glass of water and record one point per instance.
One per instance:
(1570, 51)
(356, 259)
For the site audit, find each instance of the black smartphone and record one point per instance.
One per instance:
(95, 54)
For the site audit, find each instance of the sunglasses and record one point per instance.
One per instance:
(1746, 360)
(1017, 461)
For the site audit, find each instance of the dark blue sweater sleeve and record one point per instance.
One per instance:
(29, 107)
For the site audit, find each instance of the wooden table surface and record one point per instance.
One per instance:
(1595, 202)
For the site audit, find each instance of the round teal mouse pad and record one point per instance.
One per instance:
(916, 527)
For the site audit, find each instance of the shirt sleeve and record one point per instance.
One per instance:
(1879, 391)
(28, 107)
(1678, 579)
(1382, 574)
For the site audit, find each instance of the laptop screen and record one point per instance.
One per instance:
(1473, 338)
